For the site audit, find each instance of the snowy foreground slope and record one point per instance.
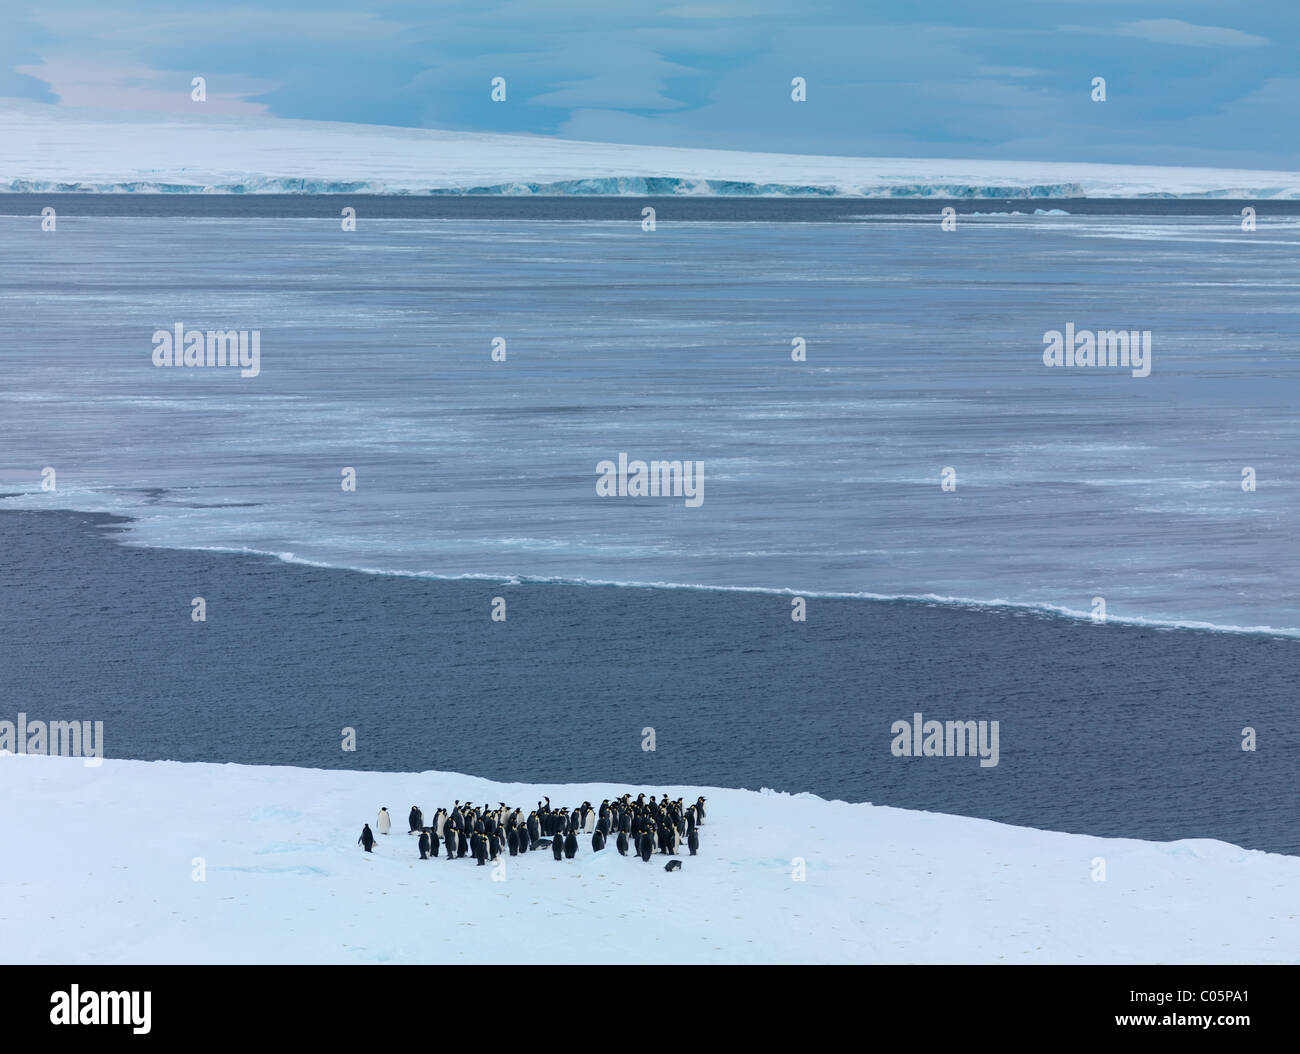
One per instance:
(55, 148)
(99, 864)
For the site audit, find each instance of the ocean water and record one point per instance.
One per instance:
(477, 478)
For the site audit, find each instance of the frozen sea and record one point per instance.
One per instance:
(924, 352)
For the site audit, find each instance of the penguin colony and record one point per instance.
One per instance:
(483, 833)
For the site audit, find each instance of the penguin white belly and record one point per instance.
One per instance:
(383, 824)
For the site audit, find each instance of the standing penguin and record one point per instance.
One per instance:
(416, 819)
(424, 844)
(699, 810)
(512, 840)
(598, 841)
(367, 839)
(383, 825)
(570, 845)
(622, 843)
(449, 838)
(462, 844)
(647, 846)
(693, 840)
(557, 847)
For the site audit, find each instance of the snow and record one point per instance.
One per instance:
(45, 147)
(100, 861)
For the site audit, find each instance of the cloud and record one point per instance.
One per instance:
(77, 82)
(967, 80)
(1172, 31)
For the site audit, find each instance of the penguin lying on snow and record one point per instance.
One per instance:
(673, 865)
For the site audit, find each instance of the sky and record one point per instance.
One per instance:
(1207, 82)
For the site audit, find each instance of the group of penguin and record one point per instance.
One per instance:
(642, 827)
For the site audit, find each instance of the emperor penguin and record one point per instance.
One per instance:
(439, 822)
(416, 819)
(383, 824)
(647, 846)
(598, 841)
(449, 837)
(424, 844)
(693, 840)
(588, 818)
(512, 841)
(557, 847)
(622, 843)
(570, 845)
(699, 810)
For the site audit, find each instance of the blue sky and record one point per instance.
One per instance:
(1188, 82)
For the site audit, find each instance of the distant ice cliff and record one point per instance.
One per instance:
(53, 149)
